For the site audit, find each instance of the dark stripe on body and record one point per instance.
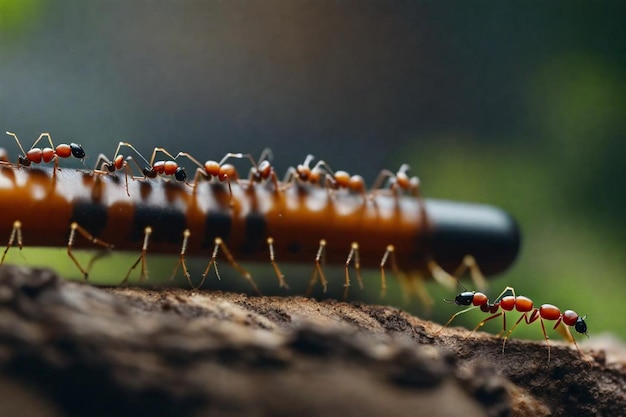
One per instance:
(167, 224)
(294, 247)
(92, 216)
(256, 233)
(218, 224)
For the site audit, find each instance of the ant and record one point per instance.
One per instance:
(227, 173)
(304, 173)
(263, 170)
(399, 180)
(333, 180)
(504, 303)
(221, 170)
(151, 169)
(46, 155)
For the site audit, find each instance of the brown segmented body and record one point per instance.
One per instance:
(297, 218)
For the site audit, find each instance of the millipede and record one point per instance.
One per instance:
(315, 216)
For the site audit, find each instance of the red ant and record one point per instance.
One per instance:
(263, 170)
(342, 180)
(213, 169)
(524, 305)
(304, 172)
(151, 170)
(332, 180)
(227, 173)
(38, 155)
(399, 180)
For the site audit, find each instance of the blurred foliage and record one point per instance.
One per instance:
(18, 15)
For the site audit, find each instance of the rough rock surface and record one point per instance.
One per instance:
(71, 349)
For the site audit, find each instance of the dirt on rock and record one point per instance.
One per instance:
(72, 349)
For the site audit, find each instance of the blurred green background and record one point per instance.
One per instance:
(517, 104)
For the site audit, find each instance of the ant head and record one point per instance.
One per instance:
(180, 174)
(23, 160)
(77, 151)
(149, 172)
(581, 326)
(465, 298)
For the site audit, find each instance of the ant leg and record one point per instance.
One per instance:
(275, 183)
(319, 258)
(545, 336)
(237, 155)
(501, 332)
(181, 259)
(468, 263)
(16, 232)
(506, 290)
(213, 262)
(131, 159)
(55, 167)
(281, 277)
(95, 258)
(142, 258)
(128, 172)
(102, 164)
(404, 182)
(354, 253)
(533, 317)
(385, 174)
(482, 323)
(162, 150)
(230, 190)
(266, 155)
(312, 282)
(219, 243)
(413, 285)
(560, 327)
(75, 227)
(440, 275)
(18, 141)
(458, 313)
(56, 159)
(391, 254)
(129, 145)
(235, 265)
(567, 334)
(41, 137)
(290, 176)
(200, 176)
(418, 287)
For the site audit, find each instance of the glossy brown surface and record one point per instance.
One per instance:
(297, 217)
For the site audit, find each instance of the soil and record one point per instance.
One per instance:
(72, 349)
